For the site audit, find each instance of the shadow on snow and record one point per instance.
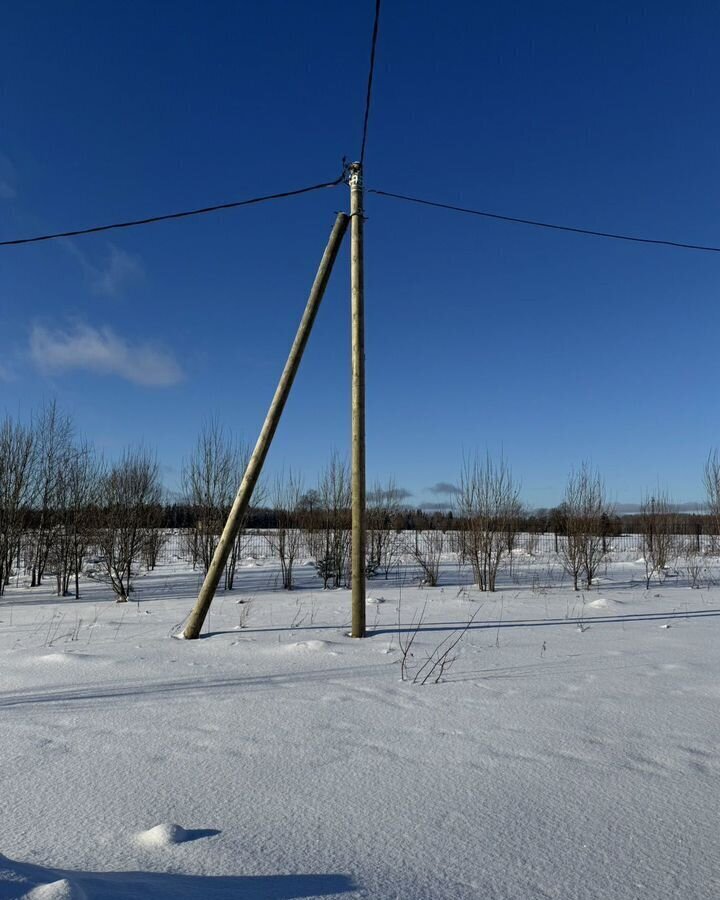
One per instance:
(17, 880)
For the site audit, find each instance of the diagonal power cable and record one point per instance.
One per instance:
(368, 96)
(150, 220)
(554, 226)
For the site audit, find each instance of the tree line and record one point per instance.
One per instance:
(66, 511)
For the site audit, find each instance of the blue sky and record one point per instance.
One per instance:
(550, 348)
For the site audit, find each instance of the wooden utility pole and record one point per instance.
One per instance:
(254, 467)
(357, 290)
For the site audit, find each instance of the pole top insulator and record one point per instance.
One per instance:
(354, 175)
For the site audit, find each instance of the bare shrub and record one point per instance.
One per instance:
(210, 479)
(75, 501)
(329, 538)
(129, 492)
(243, 453)
(583, 512)
(694, 564)
(711, 481)
(426, 548)
(406, 639)
(384, 540)
(657, 535)
(17, 458)
(488, 508)
(440, 659)
(53, 452)
(156, 539)
(285, 540)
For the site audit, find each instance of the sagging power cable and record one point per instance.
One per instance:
(368, 95)
(552, 225)
(150, 220)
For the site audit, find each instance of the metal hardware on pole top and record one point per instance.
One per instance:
(354, 176)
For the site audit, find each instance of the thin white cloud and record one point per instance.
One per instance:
(116, 272)
(102, 351)
(6, 373)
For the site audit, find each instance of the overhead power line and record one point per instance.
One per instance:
(150, 220)
(555, 227)
(368, 96)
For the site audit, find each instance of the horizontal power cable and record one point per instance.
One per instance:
(176, 215)
(555, 227)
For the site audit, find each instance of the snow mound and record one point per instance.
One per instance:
(310, 647)
(600, 603)
(26, 881)
(55, 890)
(163, 835)
(375, 600)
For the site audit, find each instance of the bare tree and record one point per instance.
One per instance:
(583, 509)
(569, 543)
(156, 539)
(285, 539)
(694, 562)
(53, 450)
(511, 532)
(657, 534)
(711, 481)
(210, 479)
(488, 509)
(242, 452)
(84, 482)
(74, 509)
(129, 492)
(17, 458)
(384, 540)
(330, 542)
(426, 548)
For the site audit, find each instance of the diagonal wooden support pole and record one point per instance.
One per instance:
(254, 467)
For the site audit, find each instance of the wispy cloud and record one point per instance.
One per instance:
(387, 495)
(444, 487)
(6, 373)
(117, 271)
(102, 351)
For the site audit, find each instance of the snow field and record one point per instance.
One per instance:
(572, 756)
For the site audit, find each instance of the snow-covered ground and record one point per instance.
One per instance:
(571, 750)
